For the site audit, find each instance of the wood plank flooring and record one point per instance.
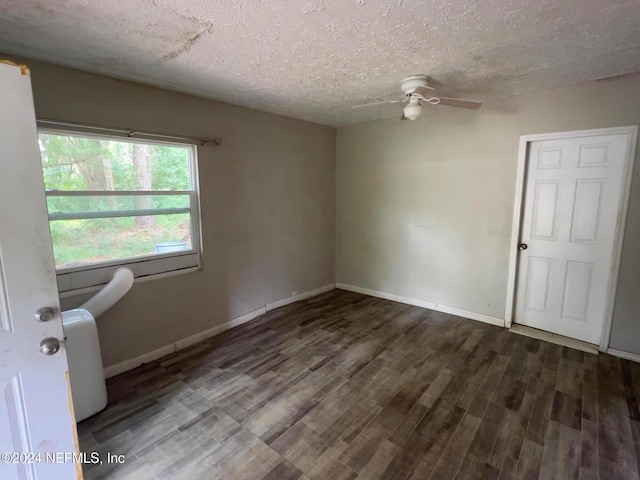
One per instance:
(344, 386)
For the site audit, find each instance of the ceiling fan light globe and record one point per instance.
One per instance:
(412, 111)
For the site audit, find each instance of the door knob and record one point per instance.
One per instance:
(45, 314)
(50, 346)
(523, 246)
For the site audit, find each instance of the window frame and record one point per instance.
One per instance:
(86, 277)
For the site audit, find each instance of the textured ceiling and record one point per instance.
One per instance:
(313, 59)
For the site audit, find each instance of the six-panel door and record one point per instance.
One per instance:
(37, 430)
(571, 208)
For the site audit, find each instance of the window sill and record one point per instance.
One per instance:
(155, 276)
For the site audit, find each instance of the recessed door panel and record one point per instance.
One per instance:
(586, 210)
(16, 436)
(593, 155)
(537, 295)
(577, 290)
(547, 193)
(549, 158)
(5, 318)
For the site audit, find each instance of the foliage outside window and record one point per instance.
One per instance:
(114, 201)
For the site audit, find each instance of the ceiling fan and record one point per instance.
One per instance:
(417, 92)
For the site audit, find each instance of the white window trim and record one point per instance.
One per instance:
(88, 278)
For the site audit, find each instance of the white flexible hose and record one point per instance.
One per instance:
(112, 292)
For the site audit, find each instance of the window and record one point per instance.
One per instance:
(116, 201)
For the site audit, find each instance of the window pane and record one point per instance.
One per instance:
(114, 203)
(74, 162)
(85, 242)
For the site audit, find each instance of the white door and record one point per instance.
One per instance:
(573, 197)
(36, 412)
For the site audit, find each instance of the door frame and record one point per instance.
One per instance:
(632, 133)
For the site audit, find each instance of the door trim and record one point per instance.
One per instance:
(632, 133)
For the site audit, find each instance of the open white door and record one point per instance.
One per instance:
(37, 428)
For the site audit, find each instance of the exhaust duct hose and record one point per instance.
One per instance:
(113, 291)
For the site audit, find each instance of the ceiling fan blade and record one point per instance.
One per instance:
(404, 99)
(423, 91)
(456, 102)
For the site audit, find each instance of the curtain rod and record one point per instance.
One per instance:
(128, 132)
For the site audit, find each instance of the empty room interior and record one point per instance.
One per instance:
(319, 240)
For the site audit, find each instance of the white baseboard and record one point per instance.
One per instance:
(298, 297)
(634, 357)
(415, 302)
(211, 332)
(481, 317)
(132, 363)
(366, 291)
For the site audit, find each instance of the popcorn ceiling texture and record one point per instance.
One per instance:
(312, 60)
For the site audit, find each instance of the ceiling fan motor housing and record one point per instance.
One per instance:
(410, 83)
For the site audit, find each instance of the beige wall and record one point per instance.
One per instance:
(424, 208)
(267, 201)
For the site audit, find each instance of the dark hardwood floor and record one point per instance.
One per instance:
(345, 386)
